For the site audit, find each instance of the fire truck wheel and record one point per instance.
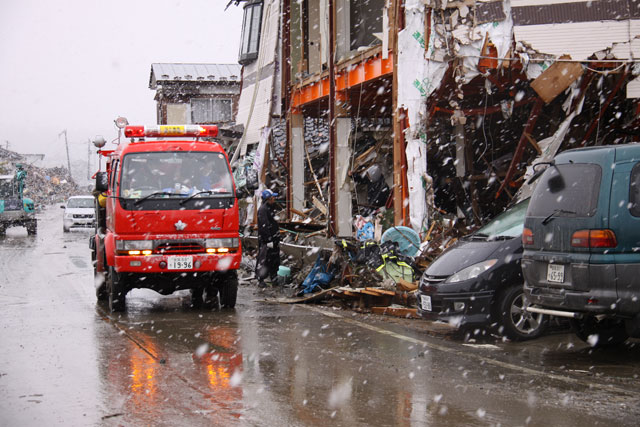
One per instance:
(116, 291)
(229, 289)
(101, 285)
(196, 297)
(210, 297)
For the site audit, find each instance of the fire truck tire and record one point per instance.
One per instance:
(229, 289)
(32, 228)
(196, 297)
(101, 285)
(210, 297)
(116, 291)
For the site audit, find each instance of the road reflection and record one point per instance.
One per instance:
(187, 366)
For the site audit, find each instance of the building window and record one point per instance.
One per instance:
(250, 31)
(366, 22)
(214, 110)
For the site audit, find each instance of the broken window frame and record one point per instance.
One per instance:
(251, 28)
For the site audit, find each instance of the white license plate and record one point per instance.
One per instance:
(179, 262)
(555, 273)
(425, 302)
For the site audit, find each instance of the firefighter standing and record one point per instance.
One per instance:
(268, 260)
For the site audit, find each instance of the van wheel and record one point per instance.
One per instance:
(607, 332)
(116, 291)
(517, 324)
(228, 289)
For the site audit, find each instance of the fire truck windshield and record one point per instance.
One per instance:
(174, 174)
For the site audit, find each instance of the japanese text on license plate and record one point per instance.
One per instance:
(555, 273)
(180, 263)
(425, 301)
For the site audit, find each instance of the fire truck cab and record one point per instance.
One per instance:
(167, 217)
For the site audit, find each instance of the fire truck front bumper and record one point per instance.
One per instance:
(194, 263)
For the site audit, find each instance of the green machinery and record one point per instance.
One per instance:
(15, 209)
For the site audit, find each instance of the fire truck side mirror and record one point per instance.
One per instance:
(102, 181)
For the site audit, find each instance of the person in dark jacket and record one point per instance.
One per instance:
(268, 260)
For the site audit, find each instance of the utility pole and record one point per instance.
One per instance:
(66, 143)
(89, 158)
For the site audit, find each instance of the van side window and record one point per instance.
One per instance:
(634, 191)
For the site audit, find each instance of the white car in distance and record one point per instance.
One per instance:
(79, 211)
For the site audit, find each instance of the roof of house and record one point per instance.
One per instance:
(194, 73)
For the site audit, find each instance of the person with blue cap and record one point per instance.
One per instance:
(268, 260)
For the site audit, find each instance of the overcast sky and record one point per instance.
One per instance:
(78, 64)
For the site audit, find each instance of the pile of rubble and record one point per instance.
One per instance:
(44, 186)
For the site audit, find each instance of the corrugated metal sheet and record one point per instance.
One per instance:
(195, 72)
(489, 12)
(580, 40)
(572, 12)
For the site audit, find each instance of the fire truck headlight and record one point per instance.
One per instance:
(134, 245)
(229, 242)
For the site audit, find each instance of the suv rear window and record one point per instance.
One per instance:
(568, 190)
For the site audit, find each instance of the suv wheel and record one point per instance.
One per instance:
(116, 291)
(600, 333)
(517, 324)
(228, 285)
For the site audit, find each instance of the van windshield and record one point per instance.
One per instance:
(567, 190)
(508, 224)
(174, 174)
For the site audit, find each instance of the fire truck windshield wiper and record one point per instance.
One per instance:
(148, 196)
(182, 202)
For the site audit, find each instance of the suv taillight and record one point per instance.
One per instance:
(594, 239)
(527, 237)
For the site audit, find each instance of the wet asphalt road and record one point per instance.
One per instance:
(64, 360)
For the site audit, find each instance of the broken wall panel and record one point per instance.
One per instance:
(576, 28)
(258, 90)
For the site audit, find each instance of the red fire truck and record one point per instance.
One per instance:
(167, 217)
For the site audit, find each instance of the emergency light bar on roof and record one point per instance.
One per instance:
(171, 130)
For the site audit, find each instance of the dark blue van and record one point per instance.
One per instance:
(581, 242)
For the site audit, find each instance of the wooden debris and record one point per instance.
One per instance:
(316, 296)
(410, 313)
(405, 286)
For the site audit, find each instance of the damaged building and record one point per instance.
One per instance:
(426, 109)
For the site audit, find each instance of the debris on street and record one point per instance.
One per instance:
(44, 186)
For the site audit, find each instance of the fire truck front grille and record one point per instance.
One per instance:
(174, 248)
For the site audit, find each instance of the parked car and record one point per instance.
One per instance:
(79, 211)
(581, 242)
(477, 282)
